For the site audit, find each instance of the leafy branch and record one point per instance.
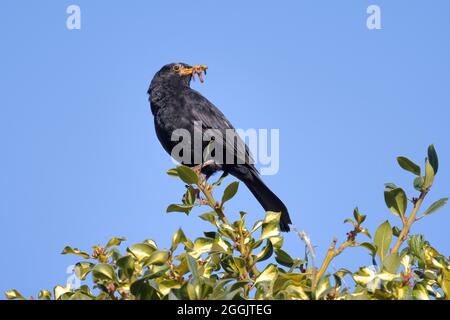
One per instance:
(239, 262)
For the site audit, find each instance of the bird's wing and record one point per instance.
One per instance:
(212, 118)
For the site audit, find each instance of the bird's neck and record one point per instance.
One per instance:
(161, 92)
(173, 83)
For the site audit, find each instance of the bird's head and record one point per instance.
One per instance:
(181, 73)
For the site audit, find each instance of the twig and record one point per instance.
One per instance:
(407, 226)
(212, 203)
(206, 189)
(331, 254)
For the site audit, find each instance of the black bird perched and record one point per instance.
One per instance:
(175, 105)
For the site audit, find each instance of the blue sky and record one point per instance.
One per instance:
(81, 163)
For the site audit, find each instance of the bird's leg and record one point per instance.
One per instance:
(198, 169)
(203, 178)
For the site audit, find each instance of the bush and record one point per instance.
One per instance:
(228, 263)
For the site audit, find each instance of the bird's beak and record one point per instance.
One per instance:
(195, 70)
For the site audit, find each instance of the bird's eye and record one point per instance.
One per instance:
(177, 68)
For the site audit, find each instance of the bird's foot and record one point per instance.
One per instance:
(203, 178)
(198, 169)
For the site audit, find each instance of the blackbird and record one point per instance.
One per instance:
(176, 106)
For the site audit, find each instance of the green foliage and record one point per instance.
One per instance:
(396, 201)
(383, 239)
(408, 165)
(235, 261)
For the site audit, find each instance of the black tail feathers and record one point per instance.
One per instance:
(268, 200)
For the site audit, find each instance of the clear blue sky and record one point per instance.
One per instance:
(80, 162)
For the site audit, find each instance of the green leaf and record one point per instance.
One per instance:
(364, 276)
(365, 232)
(173, 173)
(271, 225)
(392, 263)
(435, 207)
(408, 165)
(369, 246)
(103, 272)
(396, 201)
(240, 224)
(446, 283)
(429, 275)
(44, 295)
(383, 239)
(230, 192)
(193, 267)
(221, 245)
(193, 291)
(82, 269)
(209, 217)
(429, 175)
(433, 158)
(420, 292)
(157, 258)
(233, 295)
(80, 296)
(219, 182)
(151, 243)
(390, 186)
(141, 251)
(190, 196)
(165, 286)
(240, 265)
(265, 253)
(277, 241)
(283, 258)
(229, 266)
(184, 208)
(126, 266)
(142, 290)
(350, 221)
(238, 285)
(268, 275)
(178, 237)
(14, 294)
(157, 271)
(114, 242)
(257, 225)
(416, 244)
(323, 287)
(360, 218)
(396, 231)
(211, 234)
(75, 251)
(59, 291)
(187, 175)
(255, 244)
(418, 183)
(201, 246)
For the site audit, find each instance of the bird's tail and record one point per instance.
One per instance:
(268, 200)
